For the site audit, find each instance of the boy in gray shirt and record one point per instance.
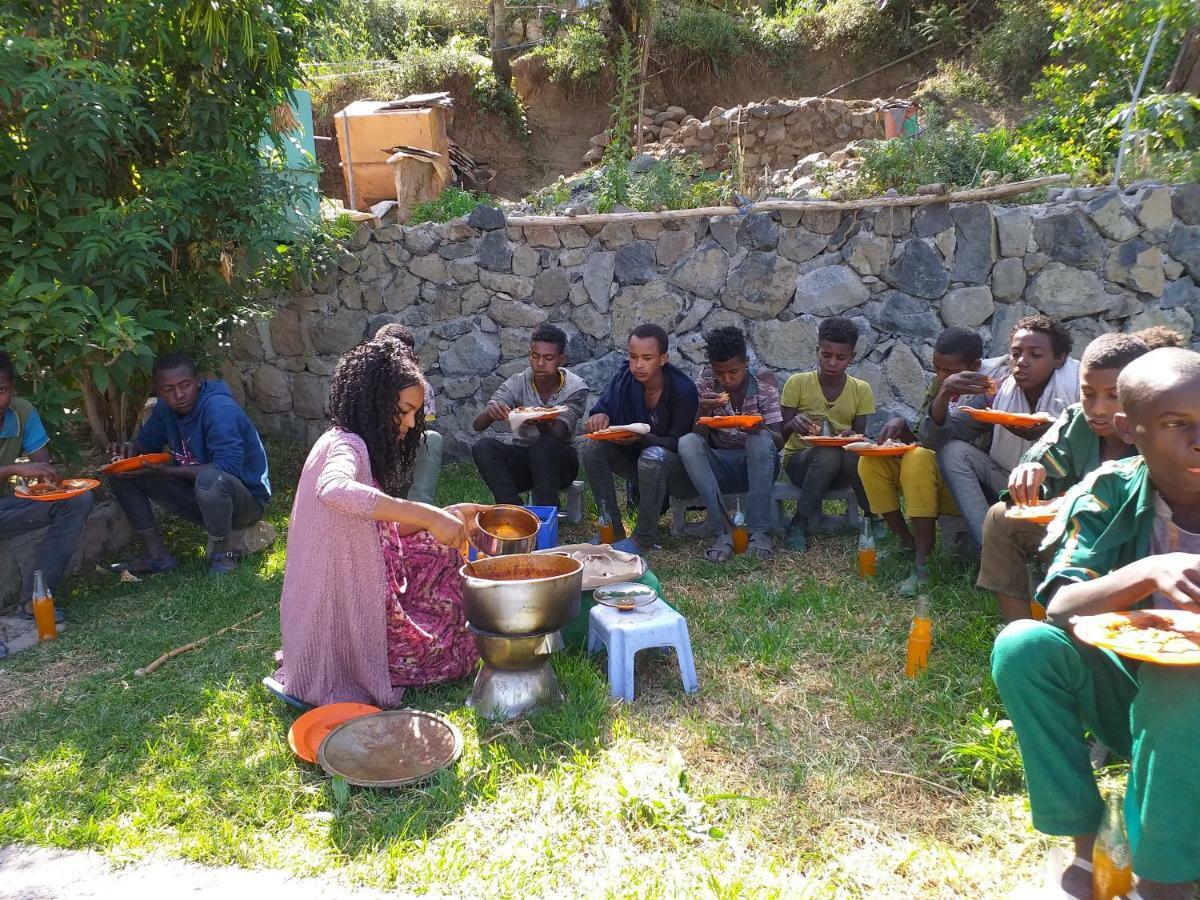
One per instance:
(540, 455)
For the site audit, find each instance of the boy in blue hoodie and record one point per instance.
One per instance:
(650, 391)
(219, 475)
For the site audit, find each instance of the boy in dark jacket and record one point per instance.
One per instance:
(654, 393)
(219, 475)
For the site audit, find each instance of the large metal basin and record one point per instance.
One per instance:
(528, 593)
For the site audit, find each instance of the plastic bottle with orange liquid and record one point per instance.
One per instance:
(1112, 858)
(43, 609)
(866, 550)
(741, 535)
(920, 639)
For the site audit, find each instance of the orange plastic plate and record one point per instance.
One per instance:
(307, 732)
(133, 463)
(608, 435)
(1038, 513)
(877, 450)
(1168, 637)
(64, 490)
(833, 441)
(730, 421)
(999, 417)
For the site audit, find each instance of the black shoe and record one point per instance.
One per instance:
(222, 563)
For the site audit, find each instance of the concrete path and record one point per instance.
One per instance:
(40, 873)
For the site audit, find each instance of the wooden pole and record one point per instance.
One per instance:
(996, 192)
(171, 654)
(500, 64)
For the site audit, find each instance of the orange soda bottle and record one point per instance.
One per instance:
(866, 550)
(1037, 612)
(920, 639)
(1112, 858)
(43, 609)
(608, 532)
(741, 536)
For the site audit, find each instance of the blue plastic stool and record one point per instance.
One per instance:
(625, 633)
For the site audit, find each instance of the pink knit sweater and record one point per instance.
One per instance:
(333, 611)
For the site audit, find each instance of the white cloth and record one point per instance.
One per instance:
(517, 419)
(632, 427)
(1061, 392)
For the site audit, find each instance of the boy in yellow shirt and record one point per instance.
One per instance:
(825, 396)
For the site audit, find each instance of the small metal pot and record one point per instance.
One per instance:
(529, 593)
(513, 654)
(495, 521)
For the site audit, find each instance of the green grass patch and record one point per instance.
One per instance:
(451, 203)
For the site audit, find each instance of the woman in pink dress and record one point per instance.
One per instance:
(372, 600)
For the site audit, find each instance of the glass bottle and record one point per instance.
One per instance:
(1112, 858)
(866, 549)
(608, 532)
(920, 639)
(43, 609)
(741, 536)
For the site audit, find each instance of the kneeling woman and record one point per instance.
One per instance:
(372, 599)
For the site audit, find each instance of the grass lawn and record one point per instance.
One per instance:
(806, 766)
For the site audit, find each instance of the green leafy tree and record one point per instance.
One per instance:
(136, 209)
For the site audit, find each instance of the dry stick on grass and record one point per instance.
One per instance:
(171, 654)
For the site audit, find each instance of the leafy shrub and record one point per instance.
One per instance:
(986, 754)
(678, 183)
(362, 30)
(711, 33)
(450, 204)
(954, 81)
(1012, 52)
(576, 56)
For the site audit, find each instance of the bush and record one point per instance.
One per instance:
(711, 33)
(450, 204)
(1012, 52)
(363, 30)
(678, 183)
(576, 56)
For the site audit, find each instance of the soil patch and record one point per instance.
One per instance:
(20, 690)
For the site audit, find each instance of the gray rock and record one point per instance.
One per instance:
(639, 304)
(976, 244)
(486, 218)
(1003, 322)
(450, 329)
(800, 246)
(758, 231)
(866, 253)
(418, 316)
(946, 243)
(361, 237)
(431, 268)
(372, 297)
(373, 264)
(472, 354)
(700, 307)
(1185, 202)
(616, 234)
(402, 292)
(1184, 246)
(1084, 331)
(918, 271)
(518, 286)
(760, 286)
(525, 260)
(894, 221)
(461, 388)
(635, 263)
(1111, 217)
(903, 371)
(672, 245)
(848, 227)
(724, 230)
(348, 263)
(350, 294)
(286, 337)
(969, 307)
(334, 334)
(822, 221)
(456, 251)
(514, 343)
(901, 313)
(1176, 318)
(1137, 265)
(1152, 207)
(1067, 293)
(588, 320)
(494, 252)
(573, 237)
(829, 291)
(642, 163)
(422, 240)
(1070, 238)
(785, 345)
(474, 298)
(389, 234)
(1180, 293)
(464, 271)
(598, 277)
(599, 372)
(703, 271)
(396, 254)
(1014, 228)
(271, 389)
(931, 219)
(542, 236)
(1008, 279)
(551, 287)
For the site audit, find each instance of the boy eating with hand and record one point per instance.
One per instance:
(1128, 536)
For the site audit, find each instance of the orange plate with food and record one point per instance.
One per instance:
(133, 463)
(887, 448)
(999, 417)
(730, 421)
(840, 440)
(64, 489)
(307, 732)
(612, 434)
(1038, 513)
(544, 413)
(1169, 637)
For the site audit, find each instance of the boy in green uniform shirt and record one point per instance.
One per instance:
(824, 395)
(1084, 436)
(1128, 535)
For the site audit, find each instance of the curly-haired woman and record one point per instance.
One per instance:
(372, 600)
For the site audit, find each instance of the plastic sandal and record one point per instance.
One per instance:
(721, 548)
(760, 545)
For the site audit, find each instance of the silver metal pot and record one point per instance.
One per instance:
(524, 594)
(494, 524)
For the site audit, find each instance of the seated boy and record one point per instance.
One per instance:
(1043, 378)
(219, 476)
(1083, 437)
(540, 455)
(915, 475)
(1129, 536)
(652, 391)
(22, 435)
(734, 460)
(428, 464)
(824, 396)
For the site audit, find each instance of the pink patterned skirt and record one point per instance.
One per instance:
(427, 634)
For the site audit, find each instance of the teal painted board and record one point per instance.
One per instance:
(300, 152)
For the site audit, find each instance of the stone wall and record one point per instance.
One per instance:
(474, 289)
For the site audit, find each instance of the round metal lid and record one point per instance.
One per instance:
(625, 595)
(392, 748)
